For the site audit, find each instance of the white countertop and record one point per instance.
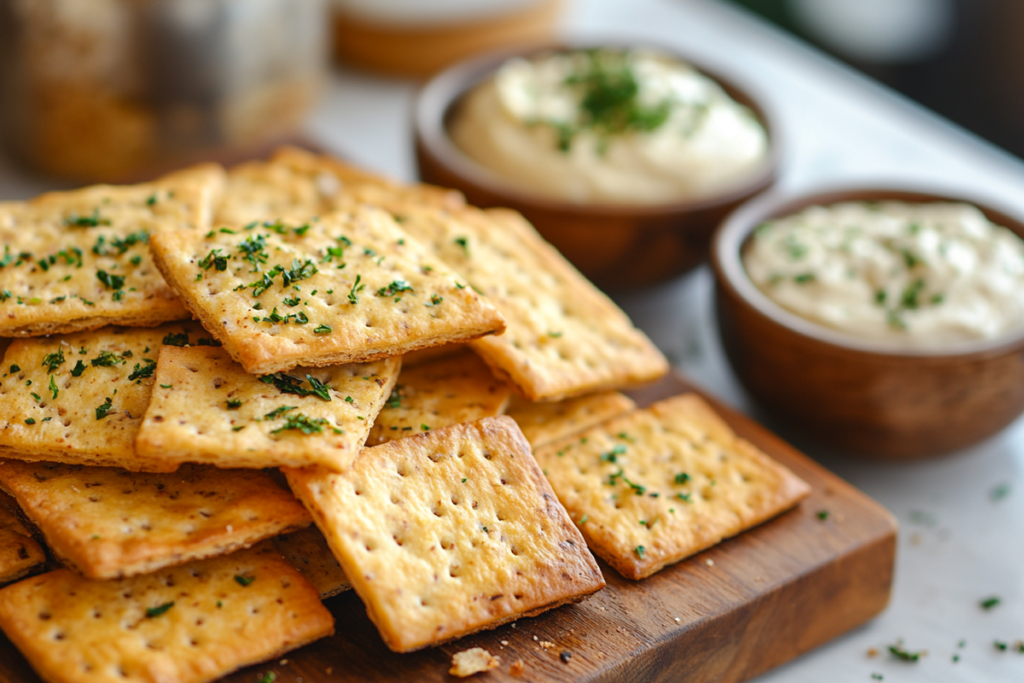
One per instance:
(957, 545)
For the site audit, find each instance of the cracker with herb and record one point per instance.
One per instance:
(544, 422)
(564, 337)
(206, 408)
(19, 552)
(653, 487)
(307, 550)
(439, 393)
(449, 532)
(80, 260)
(348, 287)
(189, 624)
(108, 523)
(80, 398)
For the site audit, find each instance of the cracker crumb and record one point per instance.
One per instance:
(472, 661)
(872, 652)
(517, 668)
(283, 662)
(504, 643)
(330, 670)
(709, 562)
(546, 644)
(677, 620)
(535, 637)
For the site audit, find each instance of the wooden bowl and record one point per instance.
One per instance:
(615, 246)
(857, 395)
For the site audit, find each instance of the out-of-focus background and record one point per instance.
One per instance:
(119, 89)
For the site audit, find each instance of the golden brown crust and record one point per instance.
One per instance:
(545, 422)
(449, 532)
(188, 624)
(404, 299)
(79, 425)
(108, 523)
(439, 393)
(653, 487)
(205, 408)
(19, 552)
(78, 260)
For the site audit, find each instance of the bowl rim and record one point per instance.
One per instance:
(436, 98)
(733, 232)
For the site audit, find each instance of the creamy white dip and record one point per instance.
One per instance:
(914, 275)
(614, 127)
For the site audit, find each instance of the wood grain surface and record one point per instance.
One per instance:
(727, 614)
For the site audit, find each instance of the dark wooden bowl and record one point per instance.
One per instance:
(615, 246)
(856, 395)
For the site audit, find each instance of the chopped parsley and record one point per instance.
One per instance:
(356, 288)
(52, 360)
(394, 288)
(176, 339)
(822, 515)
(103, 409)
(143, 371)
(640, 550)
(302, 423)
(287, 384)
(268, 677)
(110, 281)
(291, 301)
(106, 359)
(252, 250)
(425, 427)
(214, 259)
(30, 420)
(464, 243)
(275, 413)
(15, 368)
(682, 478)
(53, 386)
(154, 612)
(244, 580)
(322, 329)
(298, 271)
(989, 603)
(435, 299)
(234, 404)
(90, 221)
(395, 399)
(899, 652)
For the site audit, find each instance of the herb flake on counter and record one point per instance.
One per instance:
(990, 603)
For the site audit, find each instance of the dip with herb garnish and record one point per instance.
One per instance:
(609, 126)
(914, 275)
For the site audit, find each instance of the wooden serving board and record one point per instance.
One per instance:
(727, 614)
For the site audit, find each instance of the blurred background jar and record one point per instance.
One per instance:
(416, 38)
(110, 90)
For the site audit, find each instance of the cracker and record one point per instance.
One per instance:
(377, 292)
(450, 532)
(80, 425)
(79, 260)
(473, 661)
(657, 485)
(206, 408)
(257, 190)
(436, 394)
(544, 422)
(188, 624)
(564, 337)
(19, 552)
(426, 355)
(333, 177)
(307, 550)
(108, 523)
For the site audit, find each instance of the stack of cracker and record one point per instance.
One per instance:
(356, 345)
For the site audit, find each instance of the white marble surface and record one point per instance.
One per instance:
(957, 545)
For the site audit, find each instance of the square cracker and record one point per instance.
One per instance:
(564, 337)
(307, 550)
(57, 247)
(450, 532)
(19, 552)
(544, 422)
(67, 428)
(660, 484)
(206, 408)
(187, 624)
(348, 287)
(439, 393)
(108, 523)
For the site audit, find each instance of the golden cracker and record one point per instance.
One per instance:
(564, 338)
(108, 523)
(79, 260)
(377, 292)
(653, 487)
(187, 624)
(439, 393)
(102, 379)
(449, 532)
(19, 552)
(307, 550)
(257, 190)
(544, 422)
(206, 408)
